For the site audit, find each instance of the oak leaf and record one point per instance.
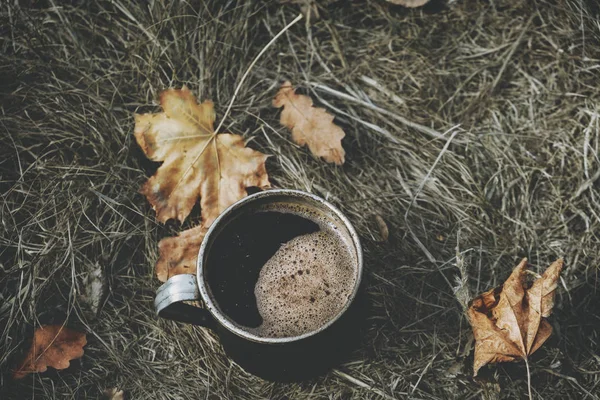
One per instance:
(53, 346)
(310, 125)
(509, 322)
(197, 164)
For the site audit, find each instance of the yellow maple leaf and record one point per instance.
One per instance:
(197, 164)
(310, 125)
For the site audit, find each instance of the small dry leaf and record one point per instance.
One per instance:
(178, 255)
(409, 3)
(94, 287)
(114, 394)
(53, 346)
(509, 322)
(197, 163)
(384, 232)
(310, 125)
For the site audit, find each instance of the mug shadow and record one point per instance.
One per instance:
(308, 358)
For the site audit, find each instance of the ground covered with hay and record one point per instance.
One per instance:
(473, 130)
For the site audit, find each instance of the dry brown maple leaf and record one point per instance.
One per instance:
(509, 322)
(53, 346)
(310, 125)
(197, 163)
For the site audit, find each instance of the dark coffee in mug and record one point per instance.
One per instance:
(281, 270)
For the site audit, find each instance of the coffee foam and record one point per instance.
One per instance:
(307, 281)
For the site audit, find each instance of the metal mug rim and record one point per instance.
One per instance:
(211, 306)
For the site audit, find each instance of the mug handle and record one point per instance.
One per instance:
(170, 297)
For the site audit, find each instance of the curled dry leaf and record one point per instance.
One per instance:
(53, 346)
(384, 232)
(509, 322)
(94, 287)
(310, 125)
(409, 3)
(197, 164)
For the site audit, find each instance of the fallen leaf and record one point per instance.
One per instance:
(409, 3)
(94, 287)
(384, 232)
(310, 125)
(53, 346)
(114, 394)
(197, 163)
(509, 322)
(178, 254)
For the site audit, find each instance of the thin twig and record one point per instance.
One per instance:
(239, 86)
(528, 378)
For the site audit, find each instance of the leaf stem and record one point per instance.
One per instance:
(528, 378)
(237, 89)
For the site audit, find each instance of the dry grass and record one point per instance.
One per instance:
(473, 129)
